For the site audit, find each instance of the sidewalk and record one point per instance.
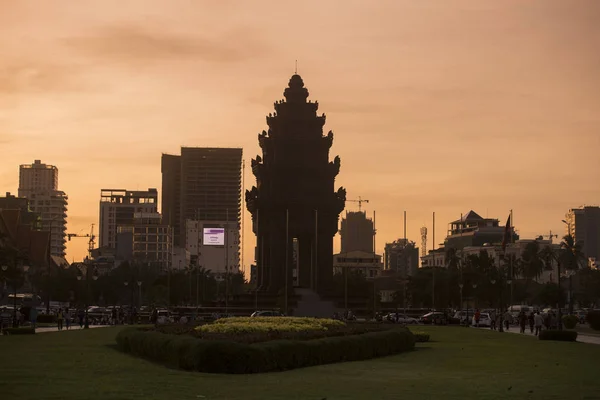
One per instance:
(73, 328)
(580, 337)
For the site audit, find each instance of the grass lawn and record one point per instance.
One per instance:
(461, 364)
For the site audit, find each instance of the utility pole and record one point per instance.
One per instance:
(433, 270)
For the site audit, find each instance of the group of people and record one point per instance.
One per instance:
(534, 320)
(64, 318)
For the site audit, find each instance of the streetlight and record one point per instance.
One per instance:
(474, 296)
(139, 283)
(87, 284)
(460, 285)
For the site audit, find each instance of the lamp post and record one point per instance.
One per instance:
(87, 291)
(460, 286)
(474, 296)
(139, 283)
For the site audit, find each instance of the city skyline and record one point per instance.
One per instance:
(443, 108)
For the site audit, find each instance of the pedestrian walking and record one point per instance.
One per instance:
(522, 321)
(539, 321)
(81, 316)
(33, 313)
(67, 318)
(493, 320)
(59, 319)
(531, 321)
(507, 319)
(477, 317)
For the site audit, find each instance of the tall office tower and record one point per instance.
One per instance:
(118, 207)
(202, 184)
(584, 225)
(357, 232)
(39, 184)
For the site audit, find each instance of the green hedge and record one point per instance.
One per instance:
(421, 337)
(190, 353)
(570, 321)
(564, 336)
(593, 318)
(46, 318)
(19, 331)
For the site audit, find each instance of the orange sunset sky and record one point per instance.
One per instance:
(441, 106)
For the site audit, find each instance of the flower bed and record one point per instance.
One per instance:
(241, 330)
(279, 324)
(217, 356)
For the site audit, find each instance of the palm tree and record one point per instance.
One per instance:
(532, 263)
(572, 258)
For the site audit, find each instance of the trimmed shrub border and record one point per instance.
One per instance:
(570, 321)
(421, 337)
(593, 318)
(189, 353)
(19, 331)
(563, 336)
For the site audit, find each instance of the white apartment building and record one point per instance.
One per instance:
(39, 184)
(213, 256)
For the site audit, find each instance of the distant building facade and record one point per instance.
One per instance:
(118, 207)
(201, 184)
(146, 240)
(501, 257)
(473, 230)
(367, 263)
(402, 257)
(214, 257)
(356, 232)
(38, 183)
(584, 225)
(27, 217)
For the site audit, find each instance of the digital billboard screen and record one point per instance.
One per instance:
(213, 236)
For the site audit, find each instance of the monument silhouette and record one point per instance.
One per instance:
(294, 205)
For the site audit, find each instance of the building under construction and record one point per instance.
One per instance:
(357, 232)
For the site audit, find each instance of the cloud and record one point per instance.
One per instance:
(136, 44)
(35, 77)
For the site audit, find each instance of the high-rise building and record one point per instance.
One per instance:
(402, 256)
(118, 208)
(147, 240)
(357, 232)
(202, 184)
(37, 177)
(39, 184)
(584, 225)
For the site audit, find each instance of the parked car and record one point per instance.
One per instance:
(163, 317)
(435, 318)
(266, 314)
(484, 320)
(400, 318)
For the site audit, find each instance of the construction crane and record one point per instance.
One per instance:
(91, 241)
(550, 236)
(359, 201)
